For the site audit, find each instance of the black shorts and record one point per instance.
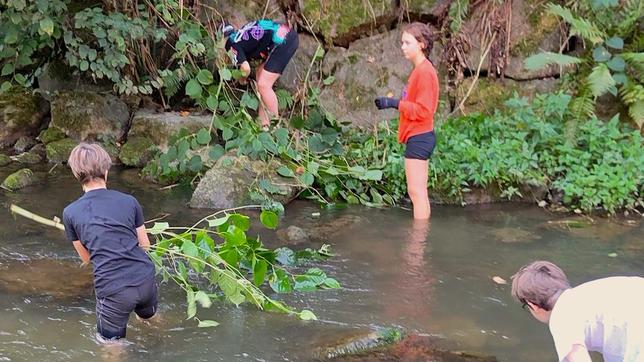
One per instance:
(282, 54)
(113, 312)
(420, 146)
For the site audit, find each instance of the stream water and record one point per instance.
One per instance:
(426, 279)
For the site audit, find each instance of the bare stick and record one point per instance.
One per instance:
(37, 218)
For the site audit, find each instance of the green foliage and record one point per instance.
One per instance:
(220, 262)
(612, 62)
(527, 144)
(27, 36)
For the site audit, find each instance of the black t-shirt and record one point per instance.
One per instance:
(105, 222)
(255, 40)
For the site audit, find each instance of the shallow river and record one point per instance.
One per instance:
(433, 279)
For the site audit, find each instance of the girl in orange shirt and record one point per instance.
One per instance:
(417, 107)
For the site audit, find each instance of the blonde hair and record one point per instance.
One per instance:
(540, 283)
(89, 161)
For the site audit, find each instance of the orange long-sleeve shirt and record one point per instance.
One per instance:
(419, 102)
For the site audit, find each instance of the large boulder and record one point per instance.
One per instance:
(424, 9)
(342, 21)
(137, 152)
(19, 179)
(297, 69)
(533, 30)
(241, 11)
(369, 68)
(59, 151)
(22, 113)
(489, 93)
(229, 182)
(89, 116)
(58, 76)
(159, 127)
(4, 160)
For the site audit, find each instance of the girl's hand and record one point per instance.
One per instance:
(245, 68)
(386, 102)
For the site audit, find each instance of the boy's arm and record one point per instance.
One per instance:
(142, 235)
(82, 252)
(578, 353)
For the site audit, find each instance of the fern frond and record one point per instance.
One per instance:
(583, 105)
(632, 11)
(636, 60)
(457, 13)
(578, 26)
(542, 60)
(636, 111)
(600, 80)
(632, 93)
(173, 80)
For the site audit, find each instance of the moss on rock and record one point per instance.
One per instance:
(137, 152)
(30, 158)
(58, 151)
(21, 114)
(4, 160)
(51, 134)
(19, 179)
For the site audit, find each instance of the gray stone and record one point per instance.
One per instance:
(30, 158)
(159, 127)
(24, 144)
(296, 70)
(89, 116)
(22, 113)
(241, 11)
(229, 182)
(57, 77)
(293, 235)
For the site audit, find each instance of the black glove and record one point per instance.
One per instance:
(386, 102)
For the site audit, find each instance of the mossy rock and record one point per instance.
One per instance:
(58, 151)
(159, 127)
(113, 150)
(490, 93)
(21, 114)
(29, 158)
(423, 8)
(51, 134)
(19, 179)
(342, 21)
(4, 160)
(137, 151)
(24, 144)
(89, 116)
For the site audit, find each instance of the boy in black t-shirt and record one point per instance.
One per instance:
(272, 43)
(106, 228)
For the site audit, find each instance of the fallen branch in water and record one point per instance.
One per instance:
(37, 218)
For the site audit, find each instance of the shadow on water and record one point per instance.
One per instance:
(428, 279)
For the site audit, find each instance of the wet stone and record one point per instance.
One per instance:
(56, 278)
(293, 235)
(24, 144)
(590, 228)
(514, 235)
(4, 160)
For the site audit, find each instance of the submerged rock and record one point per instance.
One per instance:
(293, 235)
(60, 279)
(591, 228)
(514, 235)
(19, 179)
(229, 182)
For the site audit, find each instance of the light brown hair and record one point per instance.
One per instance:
(89, 161)
(423, 34)
(540, 283)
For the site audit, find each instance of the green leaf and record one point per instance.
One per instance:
(241, 221)
(218, 221)
(599, 4)
(84, 65)
(269, 219)
(207, 323)
(225, 74)
(5, 87)
(285, 171)
(319, 53)
(620, 78)
(203, 136)
(307, 315)
(578, 26)
(227, 134)
(617, 64)
(195, 163)
(12, 36)
(158, 228)
(329, 80)
(189, 248)
(259, 272)
(542, 60)
(212, 102)
(7, 69)
(202, 298)
(193, 88)
(216, 152)
(192, 305)
(205, 77)
(47, 26)
(307, 179)
(600, 80)
(280, 282)
(372, 175)
(331, 283)
(316, 145)
(601, 54)
(615, 43)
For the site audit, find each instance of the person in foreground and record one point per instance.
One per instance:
(604, 315)
(417, 107)
(106, 228)
(272, 43)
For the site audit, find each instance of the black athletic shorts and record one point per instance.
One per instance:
(282, 54)
(421, 146)
(113, 312)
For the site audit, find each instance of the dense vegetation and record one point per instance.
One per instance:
(159, 48)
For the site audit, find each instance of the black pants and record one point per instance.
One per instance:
(113, 311)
